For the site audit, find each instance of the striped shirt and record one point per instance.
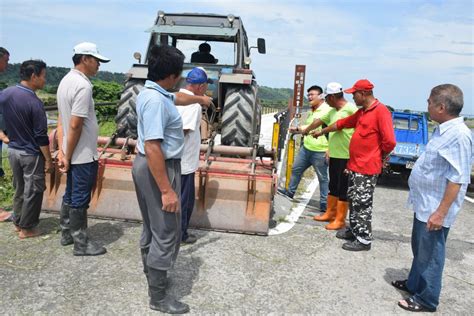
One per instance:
(448, 157)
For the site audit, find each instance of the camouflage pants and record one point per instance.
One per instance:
(360, 195)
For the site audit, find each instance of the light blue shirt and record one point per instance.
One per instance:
(158, 119)
(448, 157)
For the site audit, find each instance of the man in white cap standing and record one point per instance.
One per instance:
(338, 155)
(78, 130)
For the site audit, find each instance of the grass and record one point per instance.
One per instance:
(107, 128)
(6, 184)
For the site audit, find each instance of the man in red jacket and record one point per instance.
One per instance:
(371, 143)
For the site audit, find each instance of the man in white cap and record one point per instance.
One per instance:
(370, 145)
(78, 131)
(338, 155)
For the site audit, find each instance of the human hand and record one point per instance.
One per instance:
(4, 138)
(385, 161)
(206, 101)
(293, 129)
(435, 221)
(170, 202)
(315, 133)
(64, 165)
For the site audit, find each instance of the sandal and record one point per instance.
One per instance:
(414, 306)
(400, 285)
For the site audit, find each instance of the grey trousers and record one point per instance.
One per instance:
(29, 184)
(161, 230)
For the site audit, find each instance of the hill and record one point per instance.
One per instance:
(276, 97)
(54, 76)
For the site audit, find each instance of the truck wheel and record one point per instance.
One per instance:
(126, 117)
(239, 124)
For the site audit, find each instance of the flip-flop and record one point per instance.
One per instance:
(400, 285)
(414, 306)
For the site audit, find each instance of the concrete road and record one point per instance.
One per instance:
(299, 270)
(302, 271)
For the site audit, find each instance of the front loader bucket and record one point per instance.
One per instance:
(230, 198)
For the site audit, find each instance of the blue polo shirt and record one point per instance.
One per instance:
(158, 119)
(25, 119)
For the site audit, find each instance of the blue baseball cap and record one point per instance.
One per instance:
(197, 76)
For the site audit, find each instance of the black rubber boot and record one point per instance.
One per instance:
(82, 245)
(159, 299)
(144, 252)
(66, 238)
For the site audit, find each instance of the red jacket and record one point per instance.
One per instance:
(373, 136)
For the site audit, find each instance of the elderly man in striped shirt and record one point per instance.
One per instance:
(438, 184)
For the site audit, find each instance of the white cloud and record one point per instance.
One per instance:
(420, 44)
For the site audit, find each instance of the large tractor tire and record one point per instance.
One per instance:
(241, 116)
(126, 118)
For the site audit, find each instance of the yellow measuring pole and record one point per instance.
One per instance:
(276, 133)
(289, 161)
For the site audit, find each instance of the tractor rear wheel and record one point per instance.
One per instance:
(241, 116)
(126, 118)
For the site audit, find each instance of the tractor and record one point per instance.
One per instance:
(234, 91)
(235, 183)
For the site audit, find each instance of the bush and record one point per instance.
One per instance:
(104, 91)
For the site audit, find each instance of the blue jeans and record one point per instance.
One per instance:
(80, 181)
(305, 159)
(428, 247)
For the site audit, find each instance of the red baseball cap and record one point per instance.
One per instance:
(360, 85)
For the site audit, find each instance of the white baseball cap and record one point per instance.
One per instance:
(332, 88)
(87, 48)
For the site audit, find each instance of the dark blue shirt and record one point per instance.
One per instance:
(25, 119)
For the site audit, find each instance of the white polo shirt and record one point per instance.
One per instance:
(191, 116)
(74, 97)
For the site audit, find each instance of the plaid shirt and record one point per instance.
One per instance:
(448, 157)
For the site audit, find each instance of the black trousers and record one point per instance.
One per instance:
(338, 180)
(188, 196)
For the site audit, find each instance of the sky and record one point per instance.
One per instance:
(405, 47)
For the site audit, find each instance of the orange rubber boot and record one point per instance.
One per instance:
(340, 220)
(330, 213)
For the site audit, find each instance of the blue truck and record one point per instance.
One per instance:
(411, 133)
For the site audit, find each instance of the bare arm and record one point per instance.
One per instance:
(156, 164)
(48, 166)
(60, 135)
(315, 124)
(435, 222)
(187, 99)
(73, 135)
(330, 128)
